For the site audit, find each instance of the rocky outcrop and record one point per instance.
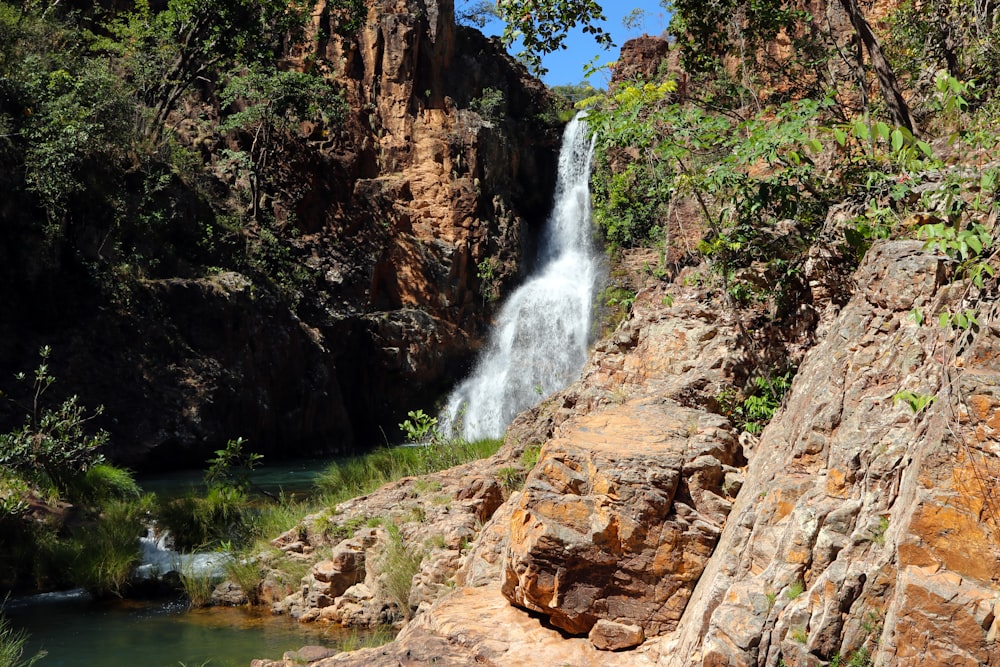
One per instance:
(619, 517)
(427, 524)
(867, 524)
(864, 520)
(477, 626)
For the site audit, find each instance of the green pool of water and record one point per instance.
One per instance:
(79, 632)
(294, 479)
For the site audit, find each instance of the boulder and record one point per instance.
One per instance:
(618, 518)
(610, 636)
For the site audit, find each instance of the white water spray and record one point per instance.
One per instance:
(159, 560)
(539, 342)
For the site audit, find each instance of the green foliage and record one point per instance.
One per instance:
(225, 514)
(958, 38)
(103, 483)
(109, 551)
(367, 639)
(246, 572)
(198, 587)
(63, 117)
(965, 246)
(270, 103)
(795, 590)
(489, 280)
(231, 467)
(878, 535)
(708, 33)
(616, 302)
(491, 105)
(917, 402)
(419, 427)
(52, 442)
(163, 53)
(363, 474)
(529, 457)
(541, 26)
(746, 175)
(12, 646)
(755, 410)
(397, 565)
(798, 635)
(13, 492)
(574, 94)
(350, 14)
(477, 13)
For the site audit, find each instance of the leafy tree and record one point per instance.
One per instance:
(64, 118)
(899, 110)
(164, 53)
(542, 25)
(231, 467)
(962, 36)
(477, 12)
(271, 103)
(708, 32)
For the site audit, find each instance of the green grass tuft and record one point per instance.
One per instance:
(361, 475)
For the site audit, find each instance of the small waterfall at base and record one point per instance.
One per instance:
(159, 560)
(539, 342)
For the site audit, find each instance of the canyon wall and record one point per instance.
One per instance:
(386, 244)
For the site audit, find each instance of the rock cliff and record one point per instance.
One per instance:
(384, 247)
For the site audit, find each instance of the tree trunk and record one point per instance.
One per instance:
(898, 108)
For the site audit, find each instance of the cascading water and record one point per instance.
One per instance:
(539, 342)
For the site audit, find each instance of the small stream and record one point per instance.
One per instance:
(78, 631)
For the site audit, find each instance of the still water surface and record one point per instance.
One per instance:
(77, 631)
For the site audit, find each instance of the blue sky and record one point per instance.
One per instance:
(566, 66)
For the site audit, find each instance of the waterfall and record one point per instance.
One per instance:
(159, 559)
(539, 342)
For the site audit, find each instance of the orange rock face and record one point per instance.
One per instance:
(619, 517)
(886, 544)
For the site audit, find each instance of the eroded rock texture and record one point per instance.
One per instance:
(619, 516)
(866, 527)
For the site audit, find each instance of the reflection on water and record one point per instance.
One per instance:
(294, 479)
(79, 632)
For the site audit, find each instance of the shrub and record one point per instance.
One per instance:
(232, 466)
(52, 442)
(224, 515)
(198, 587)
(247, 573)
(491, 105)
(102, 483)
